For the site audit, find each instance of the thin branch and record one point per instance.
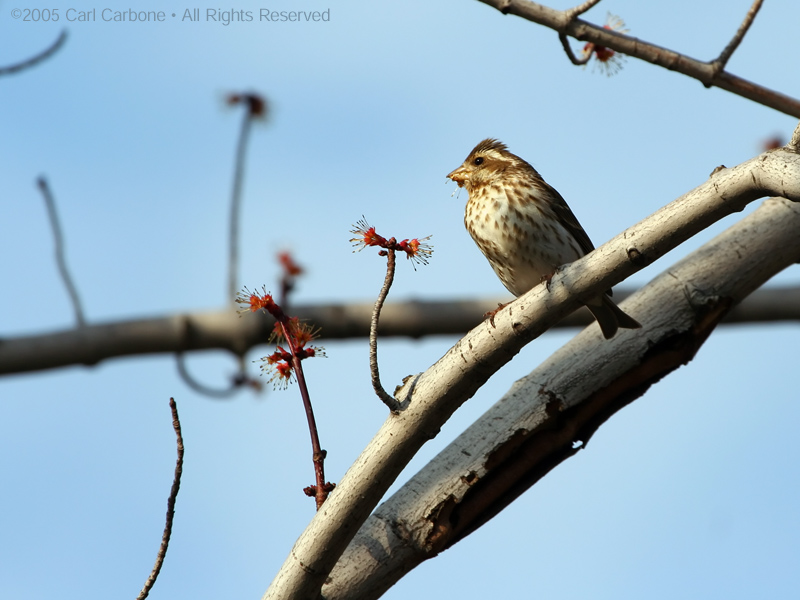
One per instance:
(188, 379)
(173, 495)
(256, 108)
(61, 261)
(417, 250)
(572, 13)
(283, 364)
(722, 60)
(236, 202)
(387, 398)
(322, 488)
(704, 72)
(36, 59)
(570, 54)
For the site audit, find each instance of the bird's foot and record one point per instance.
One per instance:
(546, 279)
(491, 314)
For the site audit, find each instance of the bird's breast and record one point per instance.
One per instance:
(522, 242)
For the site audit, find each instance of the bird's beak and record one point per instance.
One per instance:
(460, 176)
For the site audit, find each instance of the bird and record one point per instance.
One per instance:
(525, 228)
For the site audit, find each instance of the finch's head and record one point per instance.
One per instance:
(488, 163)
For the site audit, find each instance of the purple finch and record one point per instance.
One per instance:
(524, 227)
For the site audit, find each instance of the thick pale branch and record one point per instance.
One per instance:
(434, 395)
(705, 72)
(551, 413)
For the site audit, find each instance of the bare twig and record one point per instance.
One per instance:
(702, 71)
(236, 202)
(570, 54)
(58, 237)
(417, 250)
(256, 108)
(321, 490)
(580, 9)
(26, 64)
(173, 495)
(188, 379)
(720, 62)
(387, 398)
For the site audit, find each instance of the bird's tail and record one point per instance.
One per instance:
(610, 317)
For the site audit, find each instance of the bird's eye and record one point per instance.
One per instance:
(478, 161)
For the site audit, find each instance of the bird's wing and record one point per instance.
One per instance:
(570, 222)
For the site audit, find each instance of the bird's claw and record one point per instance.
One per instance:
(491, 314)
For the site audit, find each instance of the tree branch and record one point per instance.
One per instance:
(173, 496)
(722, 60)
(580, 9)
(225, 330)
(434, 395)
(236, 203)
(550, 414)
(26, 64)
(385, 397)
(61, 260)
(217, 393)
(705, 72)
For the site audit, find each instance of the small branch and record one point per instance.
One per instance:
(570, 54)
(58, 237)
(321, 490)
(256, 108)
(387, 399)
(36, 59)
(674, 61)
(173, 495)
(724, 57)
(188, 379)
(572, 13)
(284, 363)
(236, 194)
(418, 251)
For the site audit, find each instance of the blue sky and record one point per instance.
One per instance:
(686, 493)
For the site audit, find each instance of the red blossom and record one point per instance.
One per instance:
(607, 59)
(416, 249)
(300, 334)
(290, 267)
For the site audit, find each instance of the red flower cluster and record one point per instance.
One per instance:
(417, 250)
(295, 333)
(609, 60)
